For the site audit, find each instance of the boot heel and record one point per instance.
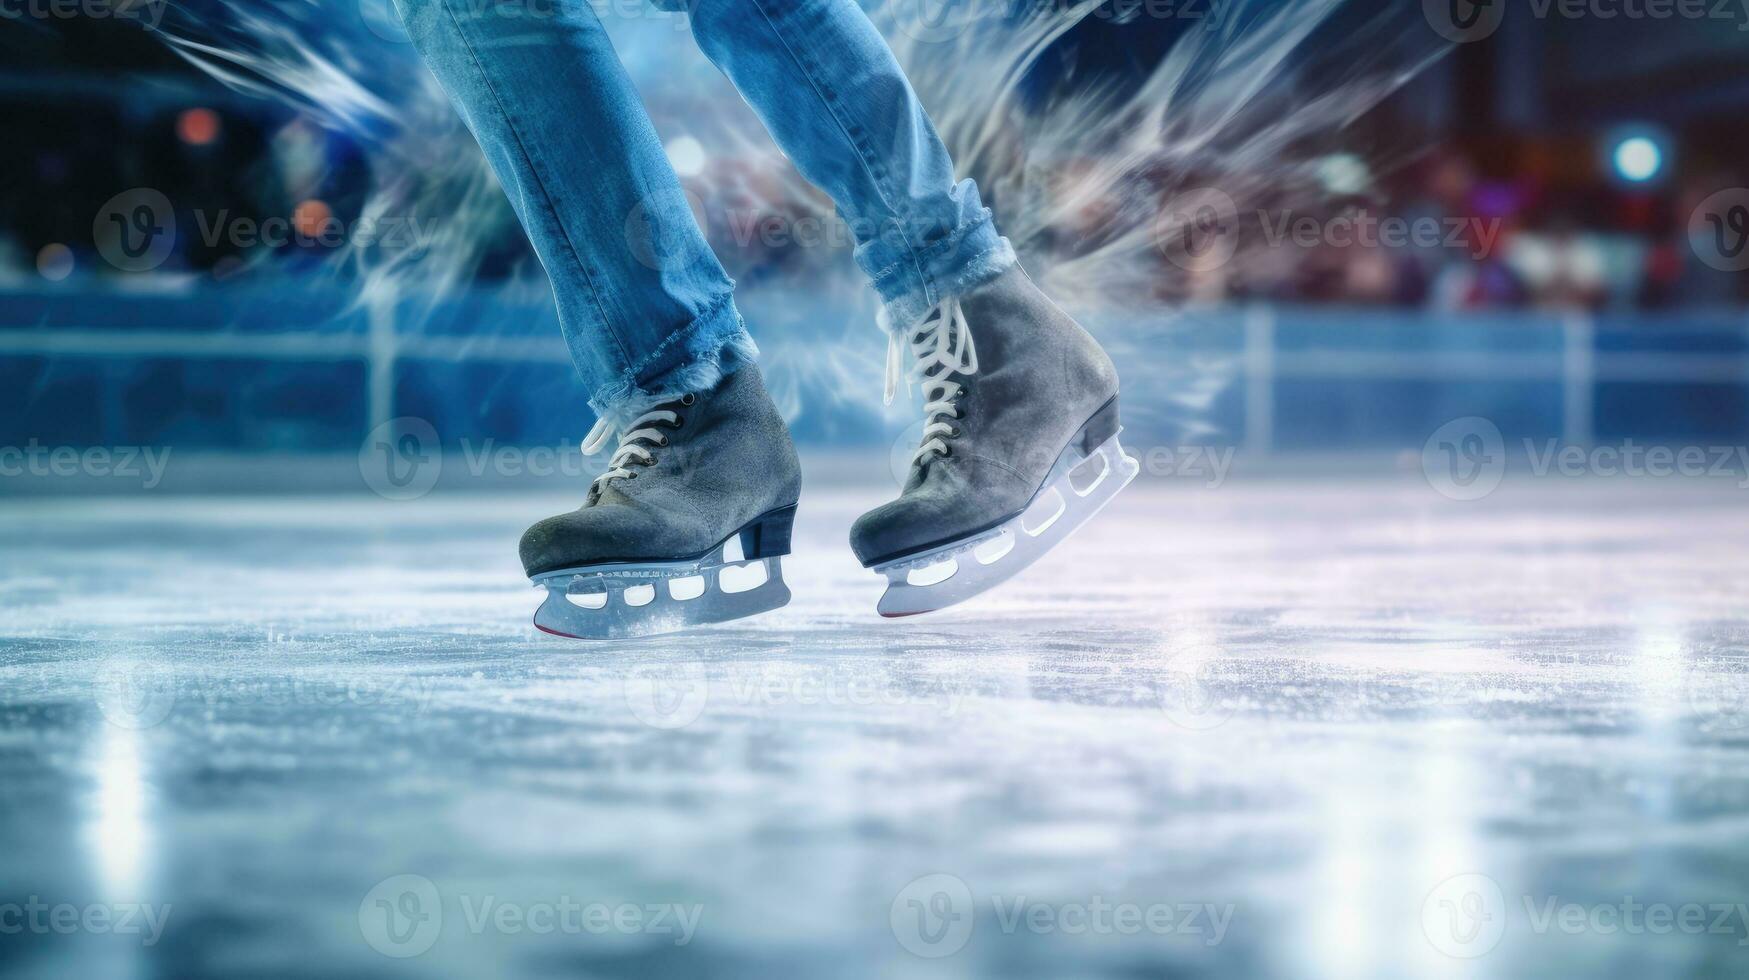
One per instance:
(1098, 429)
(768, 535)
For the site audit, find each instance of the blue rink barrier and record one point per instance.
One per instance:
(307, 369)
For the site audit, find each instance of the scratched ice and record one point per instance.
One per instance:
(1275, 729)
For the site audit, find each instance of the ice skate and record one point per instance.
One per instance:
(686, 526)
(1020, 446)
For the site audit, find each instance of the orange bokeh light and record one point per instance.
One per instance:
(198, 127)
(312, 218)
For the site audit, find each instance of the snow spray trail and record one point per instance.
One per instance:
(1250, 98)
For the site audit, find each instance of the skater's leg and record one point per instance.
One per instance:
(1016, 394)
(704, 475)
(828, 88)
(645, 307)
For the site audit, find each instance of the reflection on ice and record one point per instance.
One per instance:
(118, 835)
(1384, 752)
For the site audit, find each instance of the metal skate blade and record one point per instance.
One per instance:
(956, 572)
(647, 602)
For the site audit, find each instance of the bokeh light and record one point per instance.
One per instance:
(687, 155)
(55, 262)
(198, 127)
(1638, 159)
(312, 218)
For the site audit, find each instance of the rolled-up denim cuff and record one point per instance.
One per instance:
(910, 281)
(693, 359)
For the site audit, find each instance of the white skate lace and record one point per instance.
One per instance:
(641, 430)
(941, 346)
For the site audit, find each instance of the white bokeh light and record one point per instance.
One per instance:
(687, 155)
(1638, 159)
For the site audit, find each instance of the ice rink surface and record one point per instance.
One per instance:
(1326, 728)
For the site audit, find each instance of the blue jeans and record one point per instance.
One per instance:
(646, 308)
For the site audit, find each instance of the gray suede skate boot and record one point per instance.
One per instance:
(1019, 446)
(687, 525)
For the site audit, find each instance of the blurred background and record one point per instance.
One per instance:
(281, 384)
(256, 229)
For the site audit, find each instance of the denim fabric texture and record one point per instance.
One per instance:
(647, 311)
